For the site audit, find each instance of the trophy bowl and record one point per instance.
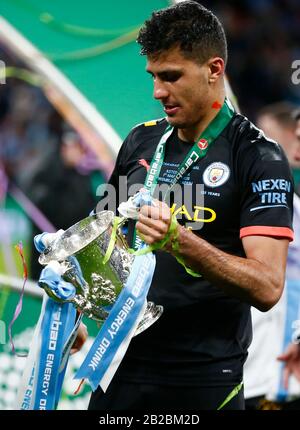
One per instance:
(81, 252)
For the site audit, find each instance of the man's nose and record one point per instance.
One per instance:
(160, 91)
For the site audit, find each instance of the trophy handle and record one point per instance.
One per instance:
(152, 313)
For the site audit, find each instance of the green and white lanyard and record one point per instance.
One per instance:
(198, 151)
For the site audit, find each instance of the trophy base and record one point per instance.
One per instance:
(152, 313)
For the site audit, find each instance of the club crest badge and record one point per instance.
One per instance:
(216, 174)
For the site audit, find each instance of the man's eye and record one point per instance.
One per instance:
(171, 77)
(167, 77)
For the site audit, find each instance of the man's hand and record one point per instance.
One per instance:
(291, 358)
(82, 335)
(154, 222)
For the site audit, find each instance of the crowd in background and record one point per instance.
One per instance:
(44, 157)
(263, 41)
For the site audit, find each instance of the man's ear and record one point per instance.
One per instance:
(216, 68)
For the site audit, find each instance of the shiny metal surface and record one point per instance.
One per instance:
(80, 251)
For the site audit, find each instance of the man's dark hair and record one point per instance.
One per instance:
(189, 25)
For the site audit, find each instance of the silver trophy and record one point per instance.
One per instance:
(81, 252)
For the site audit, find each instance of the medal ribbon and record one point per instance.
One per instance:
(46, 364)
(198, 151)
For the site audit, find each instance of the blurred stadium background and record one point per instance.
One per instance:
(72, 86)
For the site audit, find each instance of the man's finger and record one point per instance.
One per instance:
(159, 212)
(151, 211)
(157, 225)
(148, 232)
(282, 357)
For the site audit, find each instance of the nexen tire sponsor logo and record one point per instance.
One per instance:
(271, 184)
(272, 191)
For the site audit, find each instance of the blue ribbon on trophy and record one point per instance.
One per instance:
(47, 361)
(89, 267)
(58, 320)
(54, 335)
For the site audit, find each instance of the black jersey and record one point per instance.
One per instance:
(203, 335)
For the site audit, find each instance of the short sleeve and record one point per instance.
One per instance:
(266, 191)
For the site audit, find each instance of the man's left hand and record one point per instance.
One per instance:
(154, 222)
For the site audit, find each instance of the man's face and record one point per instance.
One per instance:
(182, 87)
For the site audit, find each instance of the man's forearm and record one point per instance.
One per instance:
(247, 279)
